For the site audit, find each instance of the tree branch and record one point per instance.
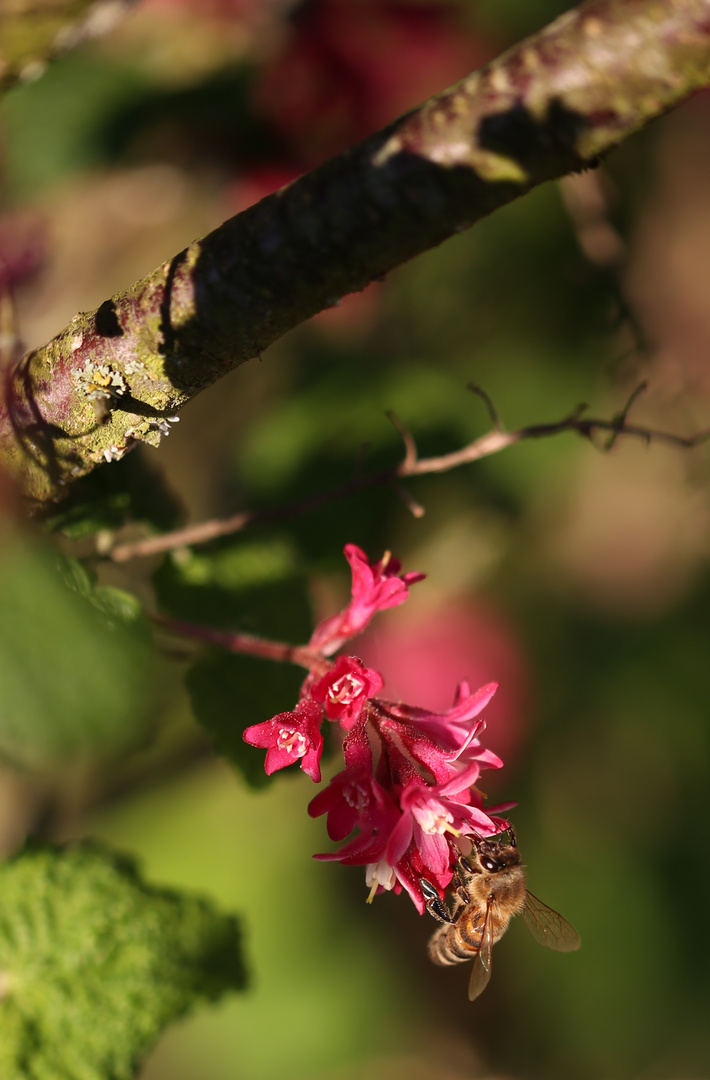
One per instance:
(491, 443)
(549, 106)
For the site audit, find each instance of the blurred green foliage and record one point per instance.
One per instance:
(76, 662)
(328, 980)
(53, 126)
(228, 693)
(250, 585)
(516, 18)
(94, 963)
(132, 490)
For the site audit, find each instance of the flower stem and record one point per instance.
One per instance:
(248, 644)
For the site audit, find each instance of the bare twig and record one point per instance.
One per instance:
(621, 418)
(415, 508)
(485, 446)
(496, 422)
(410, 446)
(586, 198)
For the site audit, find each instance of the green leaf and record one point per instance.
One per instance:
(228, 693)
(131, 489)
(253, 586)
(94, 963)
(115, 604)
(77, 665)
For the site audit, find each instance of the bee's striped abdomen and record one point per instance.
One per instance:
(459, 941)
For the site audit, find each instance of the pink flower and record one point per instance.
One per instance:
(289, 737)
(345, 689)
(352, 798)
(370, 807)
(429, 813)
(450, 738)
(411, 869)
(375, 587)
(409, 747)
(406, 798)
(452, 728)
(406, 875)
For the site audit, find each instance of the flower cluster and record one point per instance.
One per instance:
(408, 789)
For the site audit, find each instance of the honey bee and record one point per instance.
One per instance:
(490, 890)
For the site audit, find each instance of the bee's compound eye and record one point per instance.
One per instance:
(489, 864)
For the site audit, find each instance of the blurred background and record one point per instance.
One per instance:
(577, 579)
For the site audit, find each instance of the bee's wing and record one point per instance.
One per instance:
(547, 927)
(481, 971)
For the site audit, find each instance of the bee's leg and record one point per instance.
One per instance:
(463, 869)
(434, 904)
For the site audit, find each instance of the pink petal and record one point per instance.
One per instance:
(478, 821)
(413, 888)
(434, 850)
(400, 839)
(277, 758)
(261, 735)
(460, 782)
(310, 762)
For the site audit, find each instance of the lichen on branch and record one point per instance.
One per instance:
(547, 107)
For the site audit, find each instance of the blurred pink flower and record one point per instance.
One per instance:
(422, 656)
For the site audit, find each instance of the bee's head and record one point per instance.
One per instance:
(495, 855)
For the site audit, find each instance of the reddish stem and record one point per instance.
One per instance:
(250, 645)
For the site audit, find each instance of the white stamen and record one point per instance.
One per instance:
(293, 742)
(433, 819)
(356, 795)
(379, 873)
(345, 690)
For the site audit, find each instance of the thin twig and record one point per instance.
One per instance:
(491, 443)
(496, 422)
(204, 531)
(410, 446)
(621, 418)
(415, 508)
